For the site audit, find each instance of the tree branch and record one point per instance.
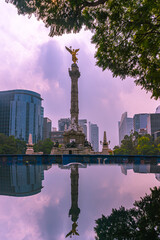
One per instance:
(94, 4)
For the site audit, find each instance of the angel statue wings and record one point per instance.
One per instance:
(73, 53)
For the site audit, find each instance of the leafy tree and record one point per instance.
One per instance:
(119, 225)
(148, 215)
(44, 146)
(20, 146)
(140, 222)
(10, 145)
(146, 146)
(128, 43)
(157, 140)
(136, 144)
(126, 33)
(128, 145)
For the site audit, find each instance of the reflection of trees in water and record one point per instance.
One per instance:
(140, 222)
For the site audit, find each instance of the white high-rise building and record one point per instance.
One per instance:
(94, 136)
(125, 126)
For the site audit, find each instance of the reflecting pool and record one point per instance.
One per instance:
(59, 201)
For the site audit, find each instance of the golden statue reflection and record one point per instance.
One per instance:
(73, 53)
(73, 231)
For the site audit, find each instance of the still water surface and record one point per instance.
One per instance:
(43, 202)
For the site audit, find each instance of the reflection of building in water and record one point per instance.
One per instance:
(157, 176)
(142, 168)
(21, 180)
(74, 210)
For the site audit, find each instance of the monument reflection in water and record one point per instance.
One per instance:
(23, 180)
(74, 210)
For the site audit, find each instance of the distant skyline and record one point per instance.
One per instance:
(31, 60)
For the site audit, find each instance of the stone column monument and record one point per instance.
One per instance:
(75, 133)
(74, 111)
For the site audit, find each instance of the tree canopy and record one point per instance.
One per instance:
(126, 33)
(136, 144)
(44, 146)
(10, 145)
(140, 222)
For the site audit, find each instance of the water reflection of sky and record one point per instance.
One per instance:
(45, 215)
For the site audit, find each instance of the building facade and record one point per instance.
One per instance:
(21, 114)
(125, 126)
(83, 124)
(153, 123)
(140, 122)
(47, 126)
(63, 123)
(158, 109)
(94, 136)
(57, 136)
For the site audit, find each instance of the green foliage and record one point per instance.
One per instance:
(146, 146)
(128, 145)
(119, 225)
(140, 222)
(148, 215)
(128, 43)
(10, 145)
(44, 146)
(126, 33)
(136, 144)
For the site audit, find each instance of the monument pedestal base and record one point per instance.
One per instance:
(63, 151)
(74, 136)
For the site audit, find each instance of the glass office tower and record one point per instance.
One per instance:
(94, 136)
(21, 113)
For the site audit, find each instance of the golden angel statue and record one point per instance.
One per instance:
(73, 53)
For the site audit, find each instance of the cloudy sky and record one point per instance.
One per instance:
(31, 60)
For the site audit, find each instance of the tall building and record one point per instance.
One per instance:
(158, 109)
(94, 136)
(62, 123)
(153, 123)
(125, 126)
(57, 136)
(47, 126)
(83, 124)
(140, 121)
(21, 114)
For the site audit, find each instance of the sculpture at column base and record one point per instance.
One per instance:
(74, 136)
